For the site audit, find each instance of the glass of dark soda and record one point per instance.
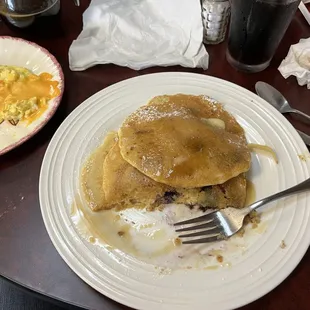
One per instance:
(256, 29)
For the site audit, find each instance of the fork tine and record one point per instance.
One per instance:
(203, 240)
(207, 217)
(209, 225)
(209, 232)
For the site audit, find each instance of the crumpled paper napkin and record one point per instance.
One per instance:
(297, 62)
(140, 34)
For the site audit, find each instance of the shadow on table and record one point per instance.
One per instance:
(13, 298)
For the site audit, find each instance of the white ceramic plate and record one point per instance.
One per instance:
(256, 264)
(22, 53)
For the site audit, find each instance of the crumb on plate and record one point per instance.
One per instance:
(92, 239)
(241, 232)
(117, 217)
(303, 157)
(254, 218)
(121, 233)
(177, 241)
(283, 245)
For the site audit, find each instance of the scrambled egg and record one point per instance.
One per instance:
(24, 96)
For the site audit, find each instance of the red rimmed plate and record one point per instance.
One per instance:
(22, 53)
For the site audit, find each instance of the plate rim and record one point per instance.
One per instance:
(45, 212)
(57, 99)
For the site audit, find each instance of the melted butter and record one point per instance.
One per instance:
(41, 87)
(250, 193)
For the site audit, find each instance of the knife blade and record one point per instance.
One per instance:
(304, 136)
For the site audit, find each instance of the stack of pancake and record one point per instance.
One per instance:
(180, 149)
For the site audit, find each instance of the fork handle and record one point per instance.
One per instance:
(303, 186)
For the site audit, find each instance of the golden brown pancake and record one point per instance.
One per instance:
(119, 185)
(91, 176)
(170, 141)
(108, 181)
(125, 186)
(229, 194)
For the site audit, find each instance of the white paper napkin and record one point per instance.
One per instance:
(140, 34)
(297, 62)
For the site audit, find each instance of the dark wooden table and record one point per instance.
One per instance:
(27, 256)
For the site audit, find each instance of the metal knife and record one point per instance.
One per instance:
(304, 136)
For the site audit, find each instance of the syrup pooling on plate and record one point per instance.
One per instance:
(250, 193)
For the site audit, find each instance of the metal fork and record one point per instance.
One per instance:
(222, 224)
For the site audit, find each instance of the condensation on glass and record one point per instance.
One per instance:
(215, 17)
